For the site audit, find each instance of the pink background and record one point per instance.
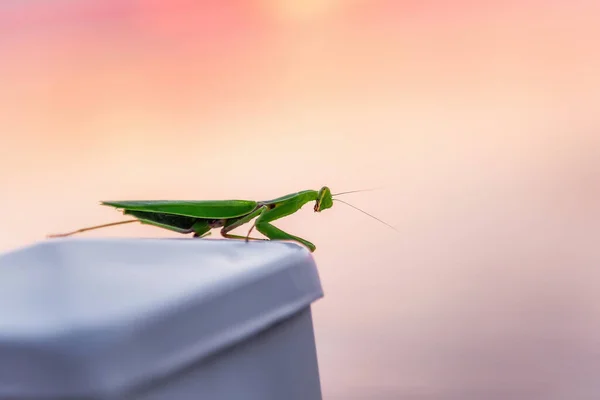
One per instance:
(480, 121)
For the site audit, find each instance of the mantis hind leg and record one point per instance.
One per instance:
(264, 226)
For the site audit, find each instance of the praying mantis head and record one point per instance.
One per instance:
(324, 199)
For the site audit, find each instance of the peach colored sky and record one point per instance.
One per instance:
(480, 121)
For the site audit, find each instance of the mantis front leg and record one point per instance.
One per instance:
(239, 222)
(268, 215)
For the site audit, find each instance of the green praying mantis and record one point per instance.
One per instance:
(201, 216)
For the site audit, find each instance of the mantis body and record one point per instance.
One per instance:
(200, 216)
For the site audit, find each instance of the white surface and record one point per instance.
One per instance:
(280, 363)
(98, 315)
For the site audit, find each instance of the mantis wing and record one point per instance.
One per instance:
(208, 209)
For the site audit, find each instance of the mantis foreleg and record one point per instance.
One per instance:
(267, 215)
(239, 222)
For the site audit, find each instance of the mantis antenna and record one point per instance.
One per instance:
(355, 191)
(366, 213)
(362, 211)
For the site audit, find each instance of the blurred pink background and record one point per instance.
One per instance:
(479, 120)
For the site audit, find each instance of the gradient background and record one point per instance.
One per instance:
(479, 120)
